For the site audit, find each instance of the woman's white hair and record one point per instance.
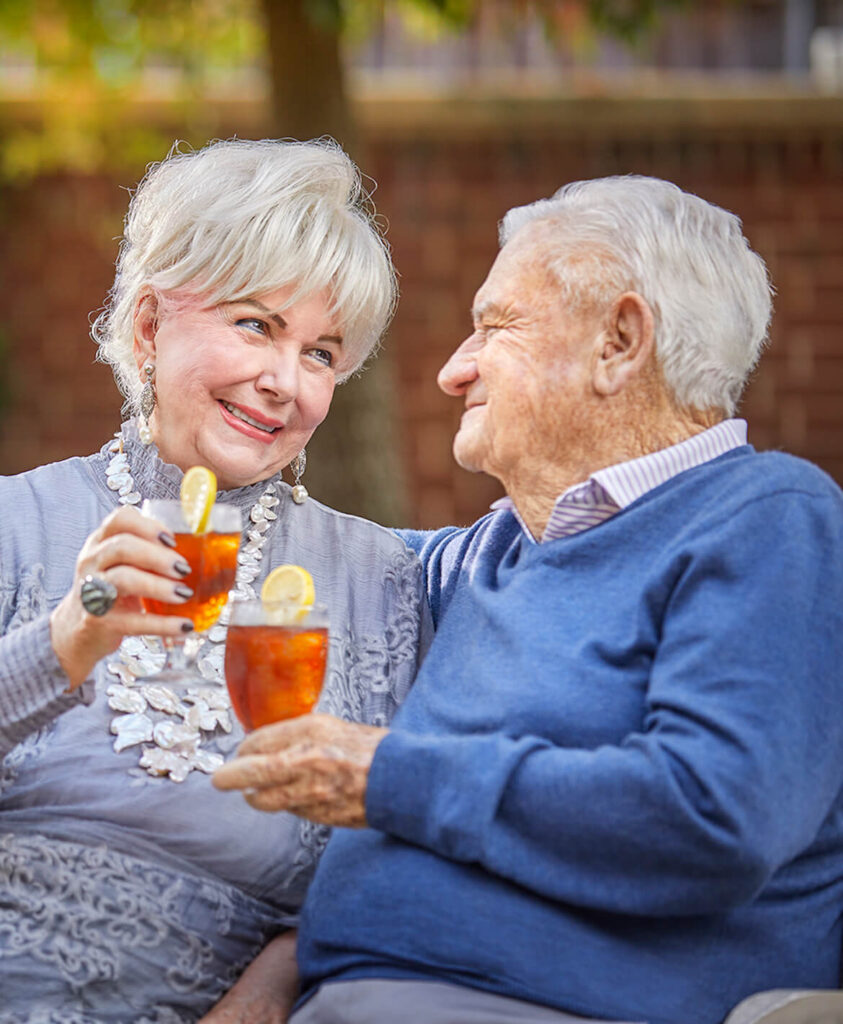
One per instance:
(240, 218)
(709, 292)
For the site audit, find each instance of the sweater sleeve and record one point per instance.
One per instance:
(33, 685)
(736, 765)
(45, 515)
(440, 553)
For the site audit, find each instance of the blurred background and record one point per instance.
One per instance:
(458, 109)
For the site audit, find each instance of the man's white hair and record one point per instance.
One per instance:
(240, 218)
(709, 292)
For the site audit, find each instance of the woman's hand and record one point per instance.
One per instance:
(266, 990)
(135, 554)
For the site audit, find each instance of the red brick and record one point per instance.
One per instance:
(443, 200)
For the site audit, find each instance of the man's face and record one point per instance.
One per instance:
(525, 371)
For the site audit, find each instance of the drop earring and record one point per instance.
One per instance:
(298, 466)
(147, 404)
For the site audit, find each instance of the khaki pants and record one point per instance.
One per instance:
(376, 1001)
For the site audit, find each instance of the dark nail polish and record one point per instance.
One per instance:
(187, 627)
(167, 539)
(182, 591)
(181, 567)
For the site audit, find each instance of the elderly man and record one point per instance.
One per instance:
(614, 792)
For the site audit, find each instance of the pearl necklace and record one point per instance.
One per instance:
(173, 732)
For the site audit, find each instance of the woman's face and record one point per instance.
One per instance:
(240, 387)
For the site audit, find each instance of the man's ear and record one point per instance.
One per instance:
(626, 346)
(145, 321)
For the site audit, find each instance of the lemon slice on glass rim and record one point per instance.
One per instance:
(288, 594)
(197, 493)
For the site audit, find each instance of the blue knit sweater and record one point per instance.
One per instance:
(615, 788)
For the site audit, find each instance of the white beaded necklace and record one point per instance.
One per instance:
(170, 729)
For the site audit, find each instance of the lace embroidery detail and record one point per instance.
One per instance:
(24, 604)
(89, 913)
(162, 1015)
(371, 675)
(404, 576)
(20, 755)
(29, 601)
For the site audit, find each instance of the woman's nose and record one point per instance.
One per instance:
(461, 368)
(279, 376)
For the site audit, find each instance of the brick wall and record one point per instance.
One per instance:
(56, 264)
(446, 174)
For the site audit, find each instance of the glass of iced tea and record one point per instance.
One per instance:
(275, 656)
(212, 557)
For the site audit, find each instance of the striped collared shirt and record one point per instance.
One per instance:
(609, 490)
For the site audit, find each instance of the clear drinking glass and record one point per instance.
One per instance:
(212, 557)
(275, 656)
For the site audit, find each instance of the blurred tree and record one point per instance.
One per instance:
(354, 463)
(87, 61)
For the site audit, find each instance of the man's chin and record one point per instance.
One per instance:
(465, 456)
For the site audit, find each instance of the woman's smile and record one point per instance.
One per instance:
(250, 422)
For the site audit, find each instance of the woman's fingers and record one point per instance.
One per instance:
(126, 549)
(136, 623)
(137, 583)
(126, 614)
(128, 520)
(126, 538)
(126, 535)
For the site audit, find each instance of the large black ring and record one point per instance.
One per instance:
(97, 595)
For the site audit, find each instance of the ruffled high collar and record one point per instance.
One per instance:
(155, 478)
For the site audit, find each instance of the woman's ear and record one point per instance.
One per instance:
(626, 346)
(145, 322)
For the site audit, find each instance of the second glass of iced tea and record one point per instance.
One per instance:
(275, 657)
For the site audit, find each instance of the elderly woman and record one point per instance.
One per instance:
(250, 282)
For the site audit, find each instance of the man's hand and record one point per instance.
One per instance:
(315, 766)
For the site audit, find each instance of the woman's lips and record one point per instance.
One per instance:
(249, 429)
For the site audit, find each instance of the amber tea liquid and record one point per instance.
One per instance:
(274, 672)
(212, 558)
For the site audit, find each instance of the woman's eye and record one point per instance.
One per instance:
(323, 355)
(252, 324)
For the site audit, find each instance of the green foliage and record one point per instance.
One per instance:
(116, 39)
(327, 14)
(89, 60)
(86, 62)
(629, 20)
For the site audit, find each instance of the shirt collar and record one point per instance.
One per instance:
(609, 490)
(628, 481)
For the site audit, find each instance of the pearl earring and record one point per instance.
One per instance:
(147, 404)
(298, 466)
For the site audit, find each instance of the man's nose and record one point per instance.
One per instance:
(461, 369)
